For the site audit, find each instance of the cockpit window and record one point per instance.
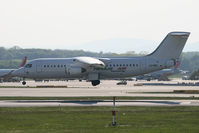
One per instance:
(28, 65)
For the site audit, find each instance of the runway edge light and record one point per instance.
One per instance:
(114, 113)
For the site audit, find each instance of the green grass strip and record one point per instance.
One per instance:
(98, 120)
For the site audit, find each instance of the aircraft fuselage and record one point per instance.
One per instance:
(114, 68)
(94, 69)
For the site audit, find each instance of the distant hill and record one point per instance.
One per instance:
(11, 58)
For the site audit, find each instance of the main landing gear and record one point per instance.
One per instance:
(95, 82)
(24, 82)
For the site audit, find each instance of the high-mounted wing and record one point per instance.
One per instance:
(89, 62)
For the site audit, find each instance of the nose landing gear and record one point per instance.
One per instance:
(24, 83)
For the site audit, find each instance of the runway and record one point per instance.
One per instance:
(59, 103)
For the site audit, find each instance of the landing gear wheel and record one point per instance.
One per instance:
(95, 82)
(24, 83)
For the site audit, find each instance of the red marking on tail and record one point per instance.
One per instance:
(23, 62)
(177, 65)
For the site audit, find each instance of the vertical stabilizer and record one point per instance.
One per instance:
(171, 47)
(23, 62)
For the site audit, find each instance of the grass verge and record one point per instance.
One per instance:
(98, 119)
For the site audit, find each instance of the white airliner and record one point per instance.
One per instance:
(95, 69)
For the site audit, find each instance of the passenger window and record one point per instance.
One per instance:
(57, 65)
(110, 65)
(114, 65)
(64, 65)
(130, 65)
(54, 65)
(47, 65)
(61, 65)
(120, 64)
(28, 66)
(44, 65)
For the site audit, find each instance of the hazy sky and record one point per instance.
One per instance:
(57, 24)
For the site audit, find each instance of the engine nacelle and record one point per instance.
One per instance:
(76, 70)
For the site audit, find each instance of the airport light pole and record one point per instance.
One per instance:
(113, 112)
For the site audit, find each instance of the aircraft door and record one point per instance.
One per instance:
(26, 70)
(143, 65)
(66, 70)
(38, 67)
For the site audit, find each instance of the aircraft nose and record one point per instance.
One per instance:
(18, 72)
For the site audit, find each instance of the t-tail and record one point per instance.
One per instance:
(171, 47)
